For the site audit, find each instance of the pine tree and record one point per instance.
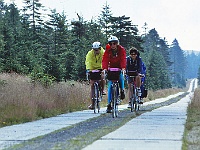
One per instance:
(104, 20)
(157, 73)
(127, 33)
(198, 76)
(179, 64)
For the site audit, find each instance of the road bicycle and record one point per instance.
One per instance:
(113, 75)
(95, 75)
(135, 100)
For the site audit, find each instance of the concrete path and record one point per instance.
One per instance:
(16, 134)
(160, 129)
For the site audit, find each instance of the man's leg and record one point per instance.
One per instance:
(109, 97)
(121, 81)
(91, 94)
(103, 82)
(129, 95)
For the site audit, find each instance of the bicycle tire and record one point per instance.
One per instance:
(95, 98)
(114, 101)
(136, 101)
(99, 98)
(132, 98)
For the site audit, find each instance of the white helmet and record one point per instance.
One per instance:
(96, 45)
(113, 39)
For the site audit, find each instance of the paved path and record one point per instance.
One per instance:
(15, 134)
(160, 129)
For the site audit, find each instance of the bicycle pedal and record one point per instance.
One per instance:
(118, 102)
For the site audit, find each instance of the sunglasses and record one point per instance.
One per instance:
(133, 54)
(96, 49)
(112, 43)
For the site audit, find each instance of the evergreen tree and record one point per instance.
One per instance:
(163, 48)
(11, 30)
(198, 76)
(80, 46)
(33, 9)
(156, 57)
(127, 33)
(94, 33)
(56, 44)
(191, 69)
(157, 74)
(179, 64)
(104, 20)
(33, 17)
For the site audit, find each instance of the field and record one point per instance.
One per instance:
(22, 101)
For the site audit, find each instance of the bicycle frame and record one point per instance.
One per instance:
(97, 96)
(113, 76)
(97, 92)
(135, 99)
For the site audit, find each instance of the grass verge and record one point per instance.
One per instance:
(191, 138)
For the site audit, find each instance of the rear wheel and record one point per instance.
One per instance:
(95, 98)
(137, 104)
(99, 98)
(132, 98)
(136, 101)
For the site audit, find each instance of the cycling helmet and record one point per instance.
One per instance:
(113, 39)
(96, 45)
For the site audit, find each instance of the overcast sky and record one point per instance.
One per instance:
(172, 19)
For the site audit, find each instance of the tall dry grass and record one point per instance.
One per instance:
(195, 104)
(21, 101)
(162, 93)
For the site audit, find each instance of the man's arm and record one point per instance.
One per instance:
(105, 60)
(88, 61)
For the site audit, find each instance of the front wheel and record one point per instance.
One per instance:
(132, 98)
(137, 105)
(114, 102)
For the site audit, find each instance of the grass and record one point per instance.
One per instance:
(21, 101)
(191, 139)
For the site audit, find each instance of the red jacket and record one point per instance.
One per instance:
(111, 61)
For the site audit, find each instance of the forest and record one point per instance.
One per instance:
(50, 48)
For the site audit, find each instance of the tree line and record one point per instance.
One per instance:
(49, 47)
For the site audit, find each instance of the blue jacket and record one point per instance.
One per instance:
(132, 65)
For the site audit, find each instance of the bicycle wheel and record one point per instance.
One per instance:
(99, 98)
(114, 101)
(132, 98)
(95, 98)
(136, 101)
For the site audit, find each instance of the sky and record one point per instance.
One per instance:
(172, 19)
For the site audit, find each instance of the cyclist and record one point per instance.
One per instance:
(134, 63)
(94, 62)
(114, 57)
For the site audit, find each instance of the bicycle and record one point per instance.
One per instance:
(113, 75)
(97, 92)
(135, 100)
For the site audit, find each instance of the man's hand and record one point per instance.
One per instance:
(141, 75)
(123, 71)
